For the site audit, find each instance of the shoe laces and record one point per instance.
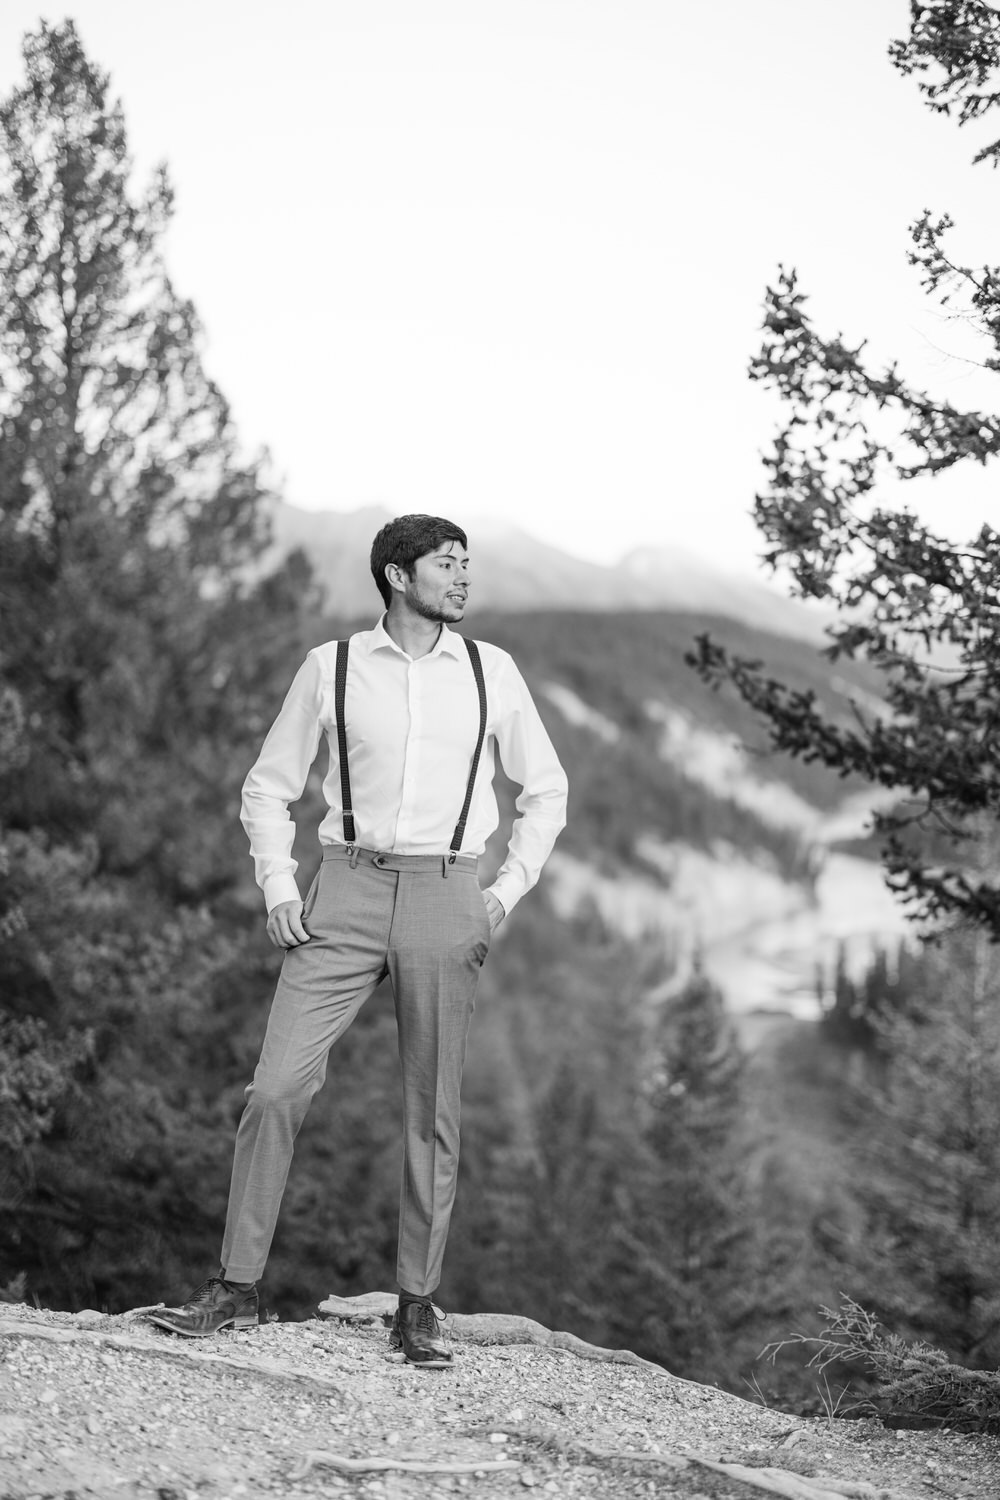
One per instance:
(428, 1317)
(206, 1292)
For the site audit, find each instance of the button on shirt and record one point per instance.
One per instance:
(412, 725)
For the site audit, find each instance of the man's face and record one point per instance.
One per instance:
(439, 588)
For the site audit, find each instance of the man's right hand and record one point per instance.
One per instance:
(284, 925)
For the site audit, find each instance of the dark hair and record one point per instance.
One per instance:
(405, 539)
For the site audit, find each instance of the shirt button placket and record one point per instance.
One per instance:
(409, 770)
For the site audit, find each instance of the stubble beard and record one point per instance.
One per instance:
(440, 614)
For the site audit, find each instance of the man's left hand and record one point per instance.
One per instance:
(494, 910)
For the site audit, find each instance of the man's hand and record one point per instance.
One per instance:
(284, 925)
(494, 910)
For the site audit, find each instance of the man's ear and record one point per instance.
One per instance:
(396, 577)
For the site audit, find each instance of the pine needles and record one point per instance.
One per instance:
(915, 1385)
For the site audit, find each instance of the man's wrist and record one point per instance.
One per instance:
(280, 888)
(492, 891)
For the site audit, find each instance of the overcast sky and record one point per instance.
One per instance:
(507, 257)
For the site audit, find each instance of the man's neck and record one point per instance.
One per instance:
(412, 633)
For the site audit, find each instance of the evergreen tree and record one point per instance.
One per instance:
(692, 1238)
(128, 517)
(854, 1009)
(551, 1150)
(929, 1145)
(138, 671)
(918, 606)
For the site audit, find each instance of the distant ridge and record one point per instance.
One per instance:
(514, 571)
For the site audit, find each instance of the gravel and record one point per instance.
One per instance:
(94, 1405)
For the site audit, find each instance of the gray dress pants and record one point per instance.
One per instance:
(423, 922)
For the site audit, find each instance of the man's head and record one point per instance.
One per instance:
(422, 560)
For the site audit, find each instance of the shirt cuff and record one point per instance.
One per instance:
(279, 888)
(505, 893)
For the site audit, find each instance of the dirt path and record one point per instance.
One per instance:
(110, 1406)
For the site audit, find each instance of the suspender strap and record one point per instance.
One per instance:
(340, 692)
(477, 672)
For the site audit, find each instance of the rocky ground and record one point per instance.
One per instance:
(94, 1405)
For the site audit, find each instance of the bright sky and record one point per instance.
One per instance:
(507, 257)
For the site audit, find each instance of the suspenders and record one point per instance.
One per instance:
(340, 690)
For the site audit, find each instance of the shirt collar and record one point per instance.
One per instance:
(379, 639)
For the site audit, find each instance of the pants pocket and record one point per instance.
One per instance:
(311, 894)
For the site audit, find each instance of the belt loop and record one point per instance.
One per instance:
(444, 866)
(355, 851)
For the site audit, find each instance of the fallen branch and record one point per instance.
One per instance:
(773, 1481)
(917, 1385)
(555, 1442)
(317, 1457)
(798, 1486)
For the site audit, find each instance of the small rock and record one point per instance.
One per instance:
(89, 1317)
(392, 1438)
(798, 1436)
(498, 1437)
(94, 1424)
(528, 1478)
(48, 1396)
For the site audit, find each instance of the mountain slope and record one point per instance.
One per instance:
(512, 570)
(683, 822)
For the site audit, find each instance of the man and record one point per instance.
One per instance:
(412, 714)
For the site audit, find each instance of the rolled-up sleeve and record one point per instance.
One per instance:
(278, 778)
(528, 757)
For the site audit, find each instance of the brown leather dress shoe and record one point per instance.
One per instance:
(212, 1307)
(416, 1330)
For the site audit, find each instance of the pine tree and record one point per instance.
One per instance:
(693, 1236)
(929, 1138)
(127, 512)
(138, 670)
(920, 607)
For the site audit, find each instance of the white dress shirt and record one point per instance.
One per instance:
(411, 726)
